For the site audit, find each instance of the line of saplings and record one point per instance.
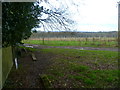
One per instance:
(75, 34)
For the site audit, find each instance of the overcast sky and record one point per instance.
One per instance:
(92, 15)
(98, 15)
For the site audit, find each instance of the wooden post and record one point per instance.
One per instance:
(86, 39)
(118, 40)
(118, 23)
(43, 40)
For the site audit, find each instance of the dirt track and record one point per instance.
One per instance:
(72, 47)
(28, 73)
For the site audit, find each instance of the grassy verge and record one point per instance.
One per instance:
(82, 68)
(73, 43)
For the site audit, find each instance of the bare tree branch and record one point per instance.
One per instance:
(57, 19)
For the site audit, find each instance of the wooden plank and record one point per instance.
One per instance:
(45, 81)
(33, 57)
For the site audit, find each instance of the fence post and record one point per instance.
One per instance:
(0, 45)
(118, 40)
(118, 23)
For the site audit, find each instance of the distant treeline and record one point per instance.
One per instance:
(75, 34)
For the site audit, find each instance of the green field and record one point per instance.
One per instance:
(71, 68)
(82, 68)
(83, 42)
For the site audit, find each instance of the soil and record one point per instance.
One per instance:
(28, 73)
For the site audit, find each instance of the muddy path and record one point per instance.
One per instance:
(28, 73)
(72, 47)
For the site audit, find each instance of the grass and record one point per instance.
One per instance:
(107, 42)
(77, 68)
(71, 68)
